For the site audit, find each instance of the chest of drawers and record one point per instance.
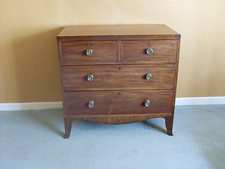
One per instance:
(118, 73)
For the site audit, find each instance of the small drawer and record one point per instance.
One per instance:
(154, 51)
(88, 52)
(117, 102)
(118, 77)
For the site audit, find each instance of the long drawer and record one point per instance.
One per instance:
(117, 102)
(117, 77)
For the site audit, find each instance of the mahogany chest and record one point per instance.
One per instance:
(118, 73)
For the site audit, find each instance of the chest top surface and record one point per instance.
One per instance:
(118, 30)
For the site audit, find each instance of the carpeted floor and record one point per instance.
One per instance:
(33, 140)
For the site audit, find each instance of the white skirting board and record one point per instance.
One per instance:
(58, 104)
(30, 106)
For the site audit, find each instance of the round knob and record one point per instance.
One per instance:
(148, 76)
(149, 51)
(90, 77)
(147, 103)
(91, 104)
(88, 52)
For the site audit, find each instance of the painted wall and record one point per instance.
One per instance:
(28, 55)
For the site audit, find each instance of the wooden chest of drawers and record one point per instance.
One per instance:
(118, 73)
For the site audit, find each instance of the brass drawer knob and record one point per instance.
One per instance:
(148, 76)
(88, 52)
(147, 103)
(90, 77)
(149, 51)
(91, 104)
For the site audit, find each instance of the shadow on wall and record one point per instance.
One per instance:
(37, 67)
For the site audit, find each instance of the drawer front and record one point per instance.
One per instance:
(88, 52)
(154, 51)
(117, 102)
(117, 77)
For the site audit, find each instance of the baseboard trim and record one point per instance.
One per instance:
(58, 104)
(30, 106)
(200, 100)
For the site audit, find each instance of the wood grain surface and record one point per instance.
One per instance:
(117, 102)
(104, 52)
(118, 77)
